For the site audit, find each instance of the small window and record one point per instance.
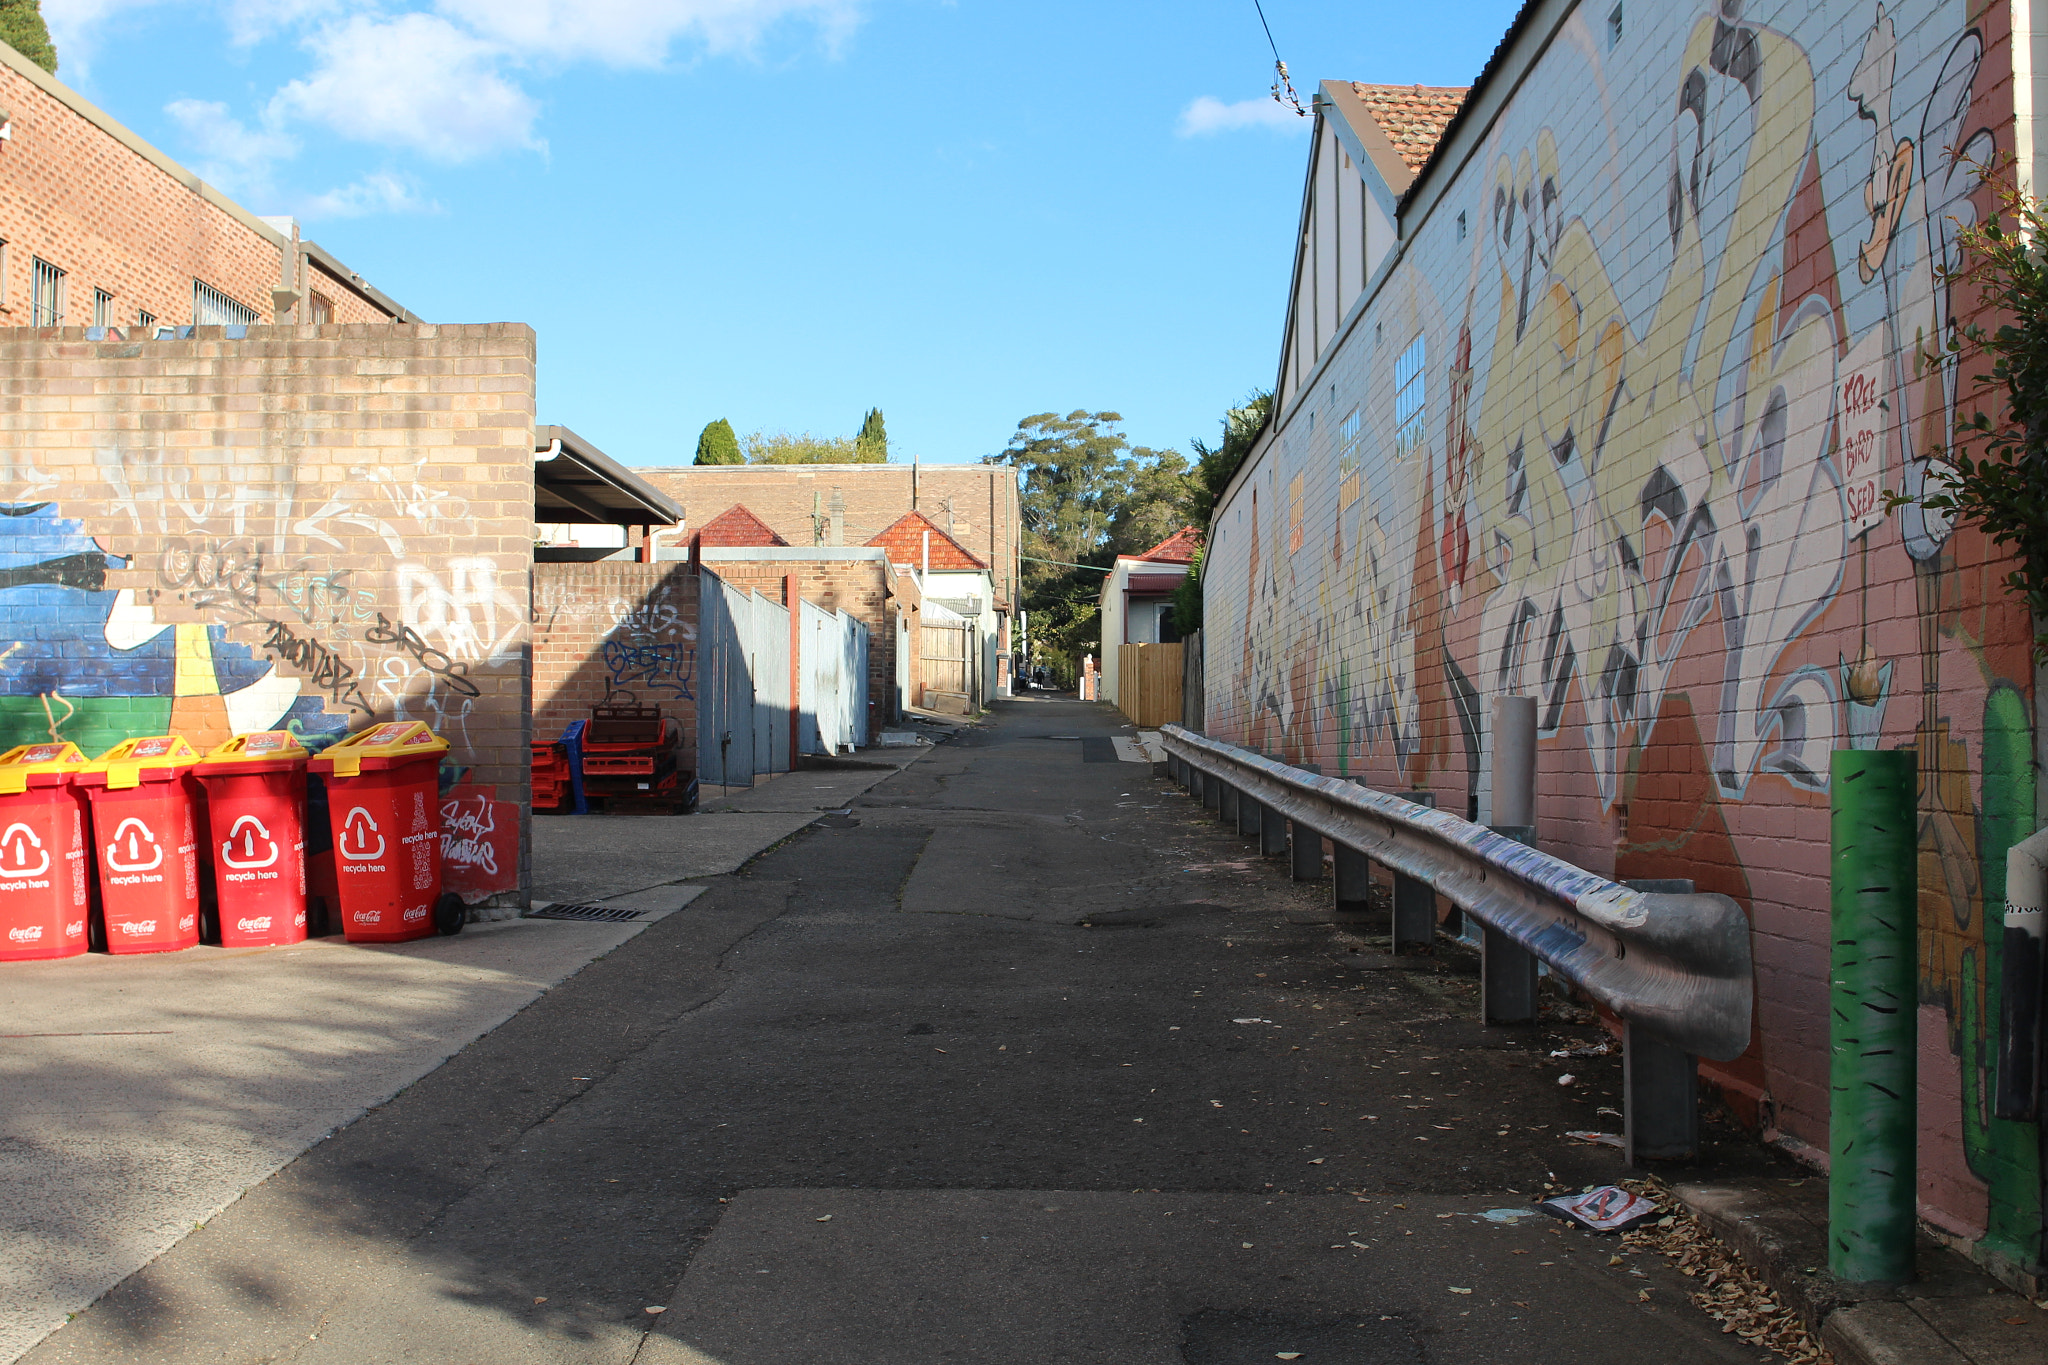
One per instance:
(46, 304)
(1409, 395)
(1614, 29)
(1461, 227)
(319, 309)
(211, 308)
(145, 320)
(102, 308)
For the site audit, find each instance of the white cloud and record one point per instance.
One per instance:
(640, 32)
(1207, 115)
(230, 155)
(377, 192)
(415, 81)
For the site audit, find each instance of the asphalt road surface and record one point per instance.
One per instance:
(1021, 1060)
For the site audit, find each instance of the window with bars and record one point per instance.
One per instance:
(211, 308)
(102, 308)
(322, 308)
(46, 304)
(145, 320)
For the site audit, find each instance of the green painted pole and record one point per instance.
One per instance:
(1873, 1016)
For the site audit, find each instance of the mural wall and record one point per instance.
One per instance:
(275, 528)
(1614, 432)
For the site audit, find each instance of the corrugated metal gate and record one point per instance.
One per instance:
(743, 698)
(834, 705)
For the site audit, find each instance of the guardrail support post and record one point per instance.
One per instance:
(1305, 852)
(1212, 791)
(1414, 901)
(1226, 805)
(1507, 970)
(1661, 1099)
(1660, 1083)
(1272, 832)
(1873, 1013)
(1251, 816)
(1352, 886)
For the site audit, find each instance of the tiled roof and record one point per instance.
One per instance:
(905, 543)
(1412, 116)
(737, 527)
(1178, 548)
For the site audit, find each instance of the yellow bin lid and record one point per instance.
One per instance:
(122, 765)
(262, 746)
(24, 761)
(382, 745)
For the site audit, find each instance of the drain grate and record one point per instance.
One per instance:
(609, 913)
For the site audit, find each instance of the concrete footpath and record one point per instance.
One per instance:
(1017, 1060)
(140, 1096)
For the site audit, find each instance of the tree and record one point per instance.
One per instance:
(1187, 598)
(22, 28)
(782, 448)
(1087, 495)
(872, 445)
(1215, 465)
(717, 445)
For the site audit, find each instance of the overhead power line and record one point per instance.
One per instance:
(1283, 88)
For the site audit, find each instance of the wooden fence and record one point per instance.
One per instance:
(1148, 684)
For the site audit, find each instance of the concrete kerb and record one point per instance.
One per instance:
(1780, 1232)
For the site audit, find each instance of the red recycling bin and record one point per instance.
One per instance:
(148, 819)
(256, 806)
(44, 899)
(384, 805)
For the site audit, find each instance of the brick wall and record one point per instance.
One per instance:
(306, 528)
(858, 587)
(614, 630)
(975, 504)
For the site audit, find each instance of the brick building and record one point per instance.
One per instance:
(100, 229)
(976, 505)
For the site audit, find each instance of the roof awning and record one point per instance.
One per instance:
(574, 481)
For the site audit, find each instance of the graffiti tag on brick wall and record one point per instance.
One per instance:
(660, 668)
(322, 666)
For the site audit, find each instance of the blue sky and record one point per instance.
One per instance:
(782, 212)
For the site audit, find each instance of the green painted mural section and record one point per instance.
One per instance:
(2004, 1153)
(94, 724)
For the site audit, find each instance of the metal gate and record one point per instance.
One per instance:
(834, 705)
(743, 702)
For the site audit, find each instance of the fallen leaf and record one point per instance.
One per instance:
(1287, 1355)
(1246, 1245)
(1456, 1290)
(542, 1299)
(1316, 1162)
(826, 1219)
(1642, 1296)
(2015, 1322)
(1614, 1260)
(657, 1308)
(939, 1049)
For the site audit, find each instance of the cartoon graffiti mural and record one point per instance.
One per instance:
(1628, 404)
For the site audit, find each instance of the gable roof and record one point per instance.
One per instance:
(1412, 116)
(736, 526)
(1178, 548)
(904, 541)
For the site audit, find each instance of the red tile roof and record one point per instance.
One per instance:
(1178, 548)
(1412, 116)
(736, 527)
(905, 543)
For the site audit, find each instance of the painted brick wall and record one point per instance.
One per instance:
(858, 587)
(614, 630)
(976, 504)
(300, 528)
(1647, 349)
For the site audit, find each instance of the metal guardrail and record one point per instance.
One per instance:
(1676, 966)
